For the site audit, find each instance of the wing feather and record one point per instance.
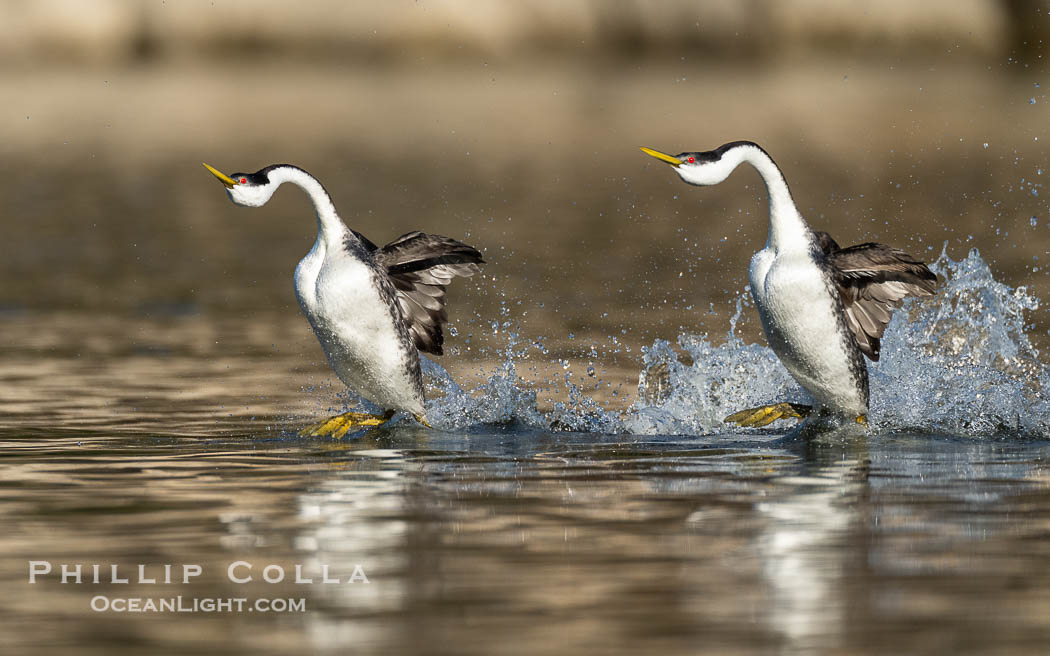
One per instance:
(873, 280)
(421, 266)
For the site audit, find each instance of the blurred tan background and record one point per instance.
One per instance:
(513, 126)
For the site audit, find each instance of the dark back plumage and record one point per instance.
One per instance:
(420, 266)
(872, 281)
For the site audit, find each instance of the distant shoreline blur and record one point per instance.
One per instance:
(77, 32)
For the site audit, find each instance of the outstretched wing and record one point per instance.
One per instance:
(873, 280)
(420, 266)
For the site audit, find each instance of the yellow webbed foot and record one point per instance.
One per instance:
(767, 414)
(340, 425)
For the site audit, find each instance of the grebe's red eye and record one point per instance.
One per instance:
(244, 180)
(691, 160)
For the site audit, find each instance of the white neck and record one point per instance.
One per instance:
(787, 229)
(330, 228)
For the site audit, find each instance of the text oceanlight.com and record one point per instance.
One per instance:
(180, 604)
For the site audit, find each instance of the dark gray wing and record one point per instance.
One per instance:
(873, 280)
(366, 243)
(826, 243)
(421, 266)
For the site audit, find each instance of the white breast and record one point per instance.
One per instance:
(799, 317)
(353, 323)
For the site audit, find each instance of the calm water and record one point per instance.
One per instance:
(146, 441)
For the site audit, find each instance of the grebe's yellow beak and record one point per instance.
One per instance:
(673, 161)
(223, 178)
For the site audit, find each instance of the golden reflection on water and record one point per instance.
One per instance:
(522, 542)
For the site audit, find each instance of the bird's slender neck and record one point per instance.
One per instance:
(787, 229)
(330, 228)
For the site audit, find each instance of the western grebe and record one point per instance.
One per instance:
(823, 308)
(373, 309)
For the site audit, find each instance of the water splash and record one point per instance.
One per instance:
(959, 362)
(690, 390)
(503, 399)
(963, 362)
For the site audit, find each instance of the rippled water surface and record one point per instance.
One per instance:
(514, 541)
(518, 525)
